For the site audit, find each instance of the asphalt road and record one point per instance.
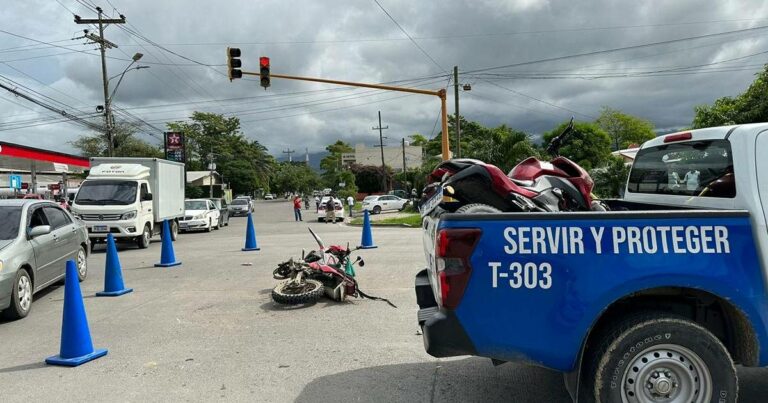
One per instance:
(208, 331)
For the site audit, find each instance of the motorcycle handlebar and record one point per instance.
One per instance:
(554, 145)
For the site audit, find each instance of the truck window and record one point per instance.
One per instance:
(107, 192)
(144, 191)
(696, 168)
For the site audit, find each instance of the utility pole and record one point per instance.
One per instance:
(210, 177)
(404, 168)
(381, 145)
(456, 101)
(289, 152)
(103, 46)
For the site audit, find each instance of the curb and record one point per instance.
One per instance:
(384, 225)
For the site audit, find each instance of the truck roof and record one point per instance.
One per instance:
(119, 170)
(710, 133)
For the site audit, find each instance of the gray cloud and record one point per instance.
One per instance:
(471, 34)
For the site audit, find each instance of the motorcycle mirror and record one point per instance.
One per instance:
(361, 263)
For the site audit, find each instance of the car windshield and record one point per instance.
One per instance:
(239, 201)
(107, 192)
(195, 205)
(10, 217)
(696, 168)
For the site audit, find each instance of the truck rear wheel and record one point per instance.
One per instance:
(661, 358)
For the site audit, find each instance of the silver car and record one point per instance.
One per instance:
(37, 238)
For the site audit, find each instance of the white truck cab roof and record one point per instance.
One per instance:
(119, 171)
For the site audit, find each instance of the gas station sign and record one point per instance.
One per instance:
(174, 147)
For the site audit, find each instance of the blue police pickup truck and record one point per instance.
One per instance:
(653, 301)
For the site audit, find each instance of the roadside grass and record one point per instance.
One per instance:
(413, 220)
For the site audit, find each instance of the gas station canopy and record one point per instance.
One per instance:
(18, 158)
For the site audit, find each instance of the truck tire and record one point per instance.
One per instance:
(476, 208)
(659, 357)
(21, 296)
(145, 238)
(174, 230)
(312, 292)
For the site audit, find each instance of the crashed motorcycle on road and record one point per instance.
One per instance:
(325, 271)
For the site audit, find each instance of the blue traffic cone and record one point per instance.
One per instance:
(76, 346)
(167, 257)
(367, 242)
(113, 273)
(250, 236)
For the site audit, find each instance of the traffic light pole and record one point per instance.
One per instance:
(446, 154)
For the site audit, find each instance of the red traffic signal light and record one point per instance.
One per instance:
(234, 64)
(264, 71)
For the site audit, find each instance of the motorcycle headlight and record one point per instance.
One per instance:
(129, 215)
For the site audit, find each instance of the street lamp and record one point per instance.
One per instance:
(108, 105)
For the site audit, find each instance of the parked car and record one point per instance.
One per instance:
(221, 204)
(200, 214)
(36, 240)
(239, 206)
(339, 209)
(269, 196)
(250, 200)
(377, 204)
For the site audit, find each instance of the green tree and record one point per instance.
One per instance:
(126, 144)
(294, 177)
(611, 179)
(245, 163)
(751, 106)
(624, 129)
(418, 139)
(370, 179)
(588, 145)
(331, 163)
(500, 146)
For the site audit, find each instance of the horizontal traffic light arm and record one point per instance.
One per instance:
(353, 84)
(439, 93)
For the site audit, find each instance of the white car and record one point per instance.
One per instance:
(339, 209)
(269, 196)
(377, 204)
(200, 214)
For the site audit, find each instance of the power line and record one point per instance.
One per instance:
(597, 52)
(409, 37)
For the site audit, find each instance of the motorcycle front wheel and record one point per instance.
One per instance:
(292, 293)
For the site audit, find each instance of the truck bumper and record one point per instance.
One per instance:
(118, 229)
(441, 331)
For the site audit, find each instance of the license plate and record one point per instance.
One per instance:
(100, 228)
(183, 225)
(433, 202)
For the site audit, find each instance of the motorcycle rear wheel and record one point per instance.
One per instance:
(289, 293)
(475, 208)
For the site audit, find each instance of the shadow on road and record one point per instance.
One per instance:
(467, 380)
(24, 367)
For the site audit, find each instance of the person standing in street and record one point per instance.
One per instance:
(350, 203)
(297, 208)
(317, 203)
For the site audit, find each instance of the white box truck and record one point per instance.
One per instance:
(130, 198)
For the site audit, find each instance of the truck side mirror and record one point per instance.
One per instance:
(147, 197)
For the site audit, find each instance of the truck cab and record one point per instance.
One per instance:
(125, 197)
(675, 273)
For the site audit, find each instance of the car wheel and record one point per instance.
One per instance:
(656, 357)
(145, 237)
(81, 261)
(376, 209)
(21, 296)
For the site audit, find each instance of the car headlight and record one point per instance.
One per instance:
(199, 216)
(129, 215)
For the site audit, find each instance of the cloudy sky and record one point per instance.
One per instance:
(504, 49)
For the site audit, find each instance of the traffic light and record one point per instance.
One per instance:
(234, 64)
(264, 72)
